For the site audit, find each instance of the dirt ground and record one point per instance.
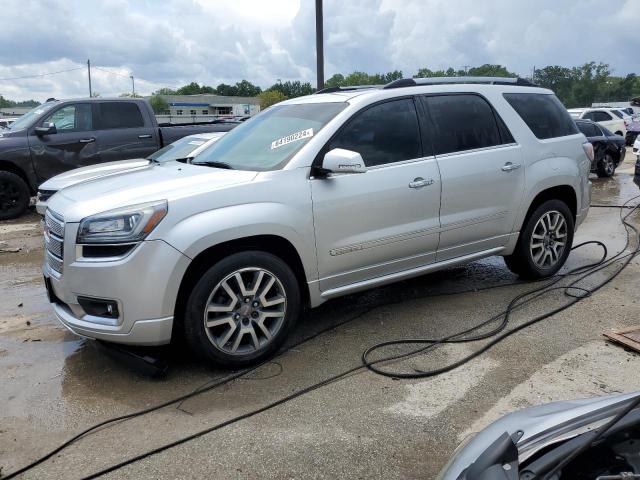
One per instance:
(53, 384)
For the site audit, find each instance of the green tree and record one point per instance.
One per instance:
(227, 90)
(194, 88)
(245, 88)
(336, 80)
(270, 97)
(158, 104)
(292, 89)
(488, 70)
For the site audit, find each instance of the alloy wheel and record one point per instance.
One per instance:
(609, 165)
(245, 311)
(548, 239)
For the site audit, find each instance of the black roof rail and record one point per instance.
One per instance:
(348, 88)
(414, 82)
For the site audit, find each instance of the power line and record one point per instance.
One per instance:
(40, 74)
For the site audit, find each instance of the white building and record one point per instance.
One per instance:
(205, 107)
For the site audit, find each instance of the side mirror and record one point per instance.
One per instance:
(47, 128)
(339, 160)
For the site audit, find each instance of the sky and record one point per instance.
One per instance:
(170, 43)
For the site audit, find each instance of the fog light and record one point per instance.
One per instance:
(98, 307)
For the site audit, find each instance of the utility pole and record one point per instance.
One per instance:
(133, 86)
(319, 46)
(89, 72)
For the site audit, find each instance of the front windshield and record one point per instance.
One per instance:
(179, 149)
(26, 119)
(270, 139)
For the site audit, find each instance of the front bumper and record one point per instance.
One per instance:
(144, 283)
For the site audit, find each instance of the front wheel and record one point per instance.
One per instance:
(242, 309)
(544, 243)
(14, 196)
(606, 167)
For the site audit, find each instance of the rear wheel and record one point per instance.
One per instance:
(544, 243)
(14, 196)
(606, 167)
(242, 309)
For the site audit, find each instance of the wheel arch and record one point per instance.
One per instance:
(564, 193)
(273, 244)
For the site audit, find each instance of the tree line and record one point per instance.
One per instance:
(575, 86)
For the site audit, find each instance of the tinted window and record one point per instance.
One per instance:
(72, 118)
(617, 113)
(384, 133)
(589, 116)
(600, 116)
(543, 114)
(462, 122)
(119, 115)
(588, 129)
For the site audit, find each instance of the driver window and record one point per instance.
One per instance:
(72, 118)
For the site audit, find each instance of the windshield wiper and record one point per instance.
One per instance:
(214, 164)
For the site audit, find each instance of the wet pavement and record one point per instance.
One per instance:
(53, 384)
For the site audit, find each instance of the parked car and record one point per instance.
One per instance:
(5, 122)
(62, 135)
(636, 152)
(187, 147)
(607, 117)
(609, 149)
(314, 198)
(532, 443)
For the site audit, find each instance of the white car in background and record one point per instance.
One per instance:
(187, 147)
(607, 117)
(5, 122)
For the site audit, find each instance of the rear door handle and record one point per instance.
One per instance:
(507, 167)
(420, 182)
(144, 136)
(87, 140)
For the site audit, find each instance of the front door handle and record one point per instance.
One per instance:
(420, 182)
(87, 140)
(144, 136)
(507, 167)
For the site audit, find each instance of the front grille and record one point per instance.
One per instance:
(54, 241)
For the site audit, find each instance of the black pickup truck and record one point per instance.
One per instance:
(61, 135)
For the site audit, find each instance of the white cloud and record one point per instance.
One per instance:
(173, 42)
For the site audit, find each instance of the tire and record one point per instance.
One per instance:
(241, 332)
(606, 166)
(535, 258)
(14, 196)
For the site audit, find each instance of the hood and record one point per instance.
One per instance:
(79, 175)
(168, 181)
(540, 426)
(6, 133)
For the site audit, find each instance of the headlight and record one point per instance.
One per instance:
(123, 225)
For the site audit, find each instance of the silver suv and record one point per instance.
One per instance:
(317, 197)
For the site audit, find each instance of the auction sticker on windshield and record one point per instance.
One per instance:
(302, 134)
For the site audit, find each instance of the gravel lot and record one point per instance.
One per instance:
(53, 384)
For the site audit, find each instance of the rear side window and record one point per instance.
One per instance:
(385, 133)
(616, 113)
(588, 129)
(119, 115)
(600, 116)
(463, 122)
(543, 114)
